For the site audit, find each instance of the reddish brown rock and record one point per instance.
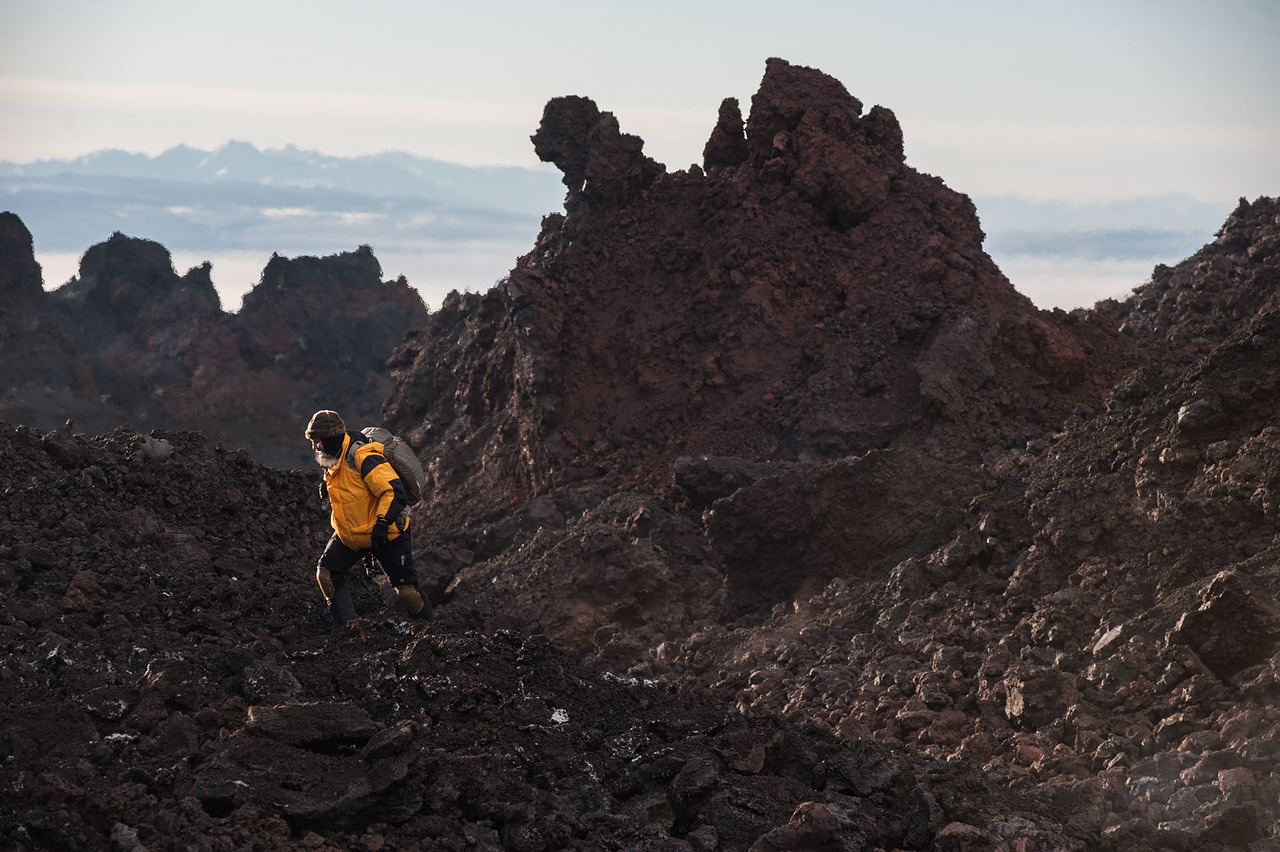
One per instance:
(1037, 696)
(959, 837)
(600, 163)
(1233, 628)
(812, 828)
(83, 592)
(727, 147)
(45, 383)
(818, 300)
(130, 340)
(1187, 309)
(128, 724)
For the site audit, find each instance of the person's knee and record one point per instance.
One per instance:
(325, 579)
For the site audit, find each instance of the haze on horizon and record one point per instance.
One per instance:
(1086, 104)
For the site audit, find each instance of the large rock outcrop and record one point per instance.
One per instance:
(128, 340)
(45, 381)
(1103, 622)
(861, 550)
(806, 298)
(938, 517)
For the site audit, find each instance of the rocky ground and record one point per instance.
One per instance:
(169, 686)
(764, 515)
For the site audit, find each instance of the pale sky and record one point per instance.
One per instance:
(1080, 101)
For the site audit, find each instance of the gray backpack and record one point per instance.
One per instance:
(402, 458)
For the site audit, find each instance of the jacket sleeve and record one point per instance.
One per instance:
(381, 479)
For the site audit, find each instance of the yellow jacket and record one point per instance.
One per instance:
(363, 487)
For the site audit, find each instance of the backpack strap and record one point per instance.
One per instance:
(358, 440)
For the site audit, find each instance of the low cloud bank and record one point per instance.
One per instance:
(1070, 255)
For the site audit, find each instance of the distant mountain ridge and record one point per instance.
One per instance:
(509, 188)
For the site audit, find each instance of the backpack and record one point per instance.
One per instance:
(401, 457)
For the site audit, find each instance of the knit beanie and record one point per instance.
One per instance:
(325, 424)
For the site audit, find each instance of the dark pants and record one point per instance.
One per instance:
(395, 557)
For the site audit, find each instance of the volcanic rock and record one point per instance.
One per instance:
(727, 147)
(605, 576)
(914, 492)
(45, 381)
(1100, 613)
(1037, 696)
(792, 531)
(937, 518)
(764, 514)
(1187, 309)
(127, 288)
(600, 163)
(813, 828)
(815, 301)
(1232, 629)
(128, 720)
(129, 340)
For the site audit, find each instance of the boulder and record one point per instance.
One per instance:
(311, 723)
(812, 828)
(1235, 626)
(1037, 696)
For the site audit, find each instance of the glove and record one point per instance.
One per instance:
(379, 535)
(324, 491)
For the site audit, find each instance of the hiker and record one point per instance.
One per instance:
(369, 514)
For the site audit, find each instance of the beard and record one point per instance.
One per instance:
(326, 461)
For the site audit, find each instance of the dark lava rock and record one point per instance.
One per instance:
(45, 382)
(128, 724)
(1187, 309)
(600, 163)
(909, 506)
(727, 147)
(1233, 628)
(817, 300)
(129, 340)
(127, 288)
(20, 280)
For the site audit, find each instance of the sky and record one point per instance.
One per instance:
(1081, 102)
